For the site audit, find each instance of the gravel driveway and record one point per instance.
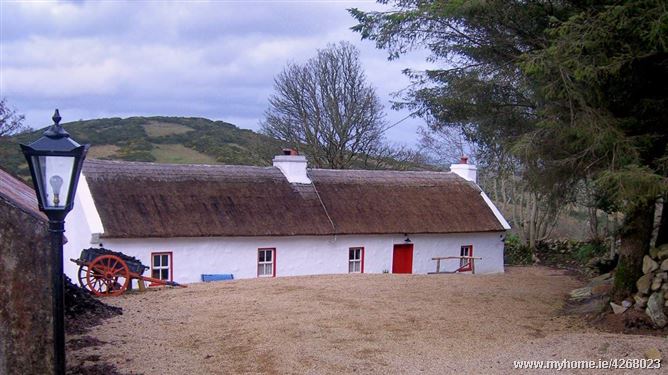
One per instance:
(361, 324)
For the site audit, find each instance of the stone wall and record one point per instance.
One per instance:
(652, 287)
(26, 338)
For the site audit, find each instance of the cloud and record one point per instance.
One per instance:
(214, 59)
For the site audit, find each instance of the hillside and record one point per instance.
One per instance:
(156, 139)
(180, 140)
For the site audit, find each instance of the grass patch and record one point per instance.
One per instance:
(155, 129)
(102, 151)
(179, 154)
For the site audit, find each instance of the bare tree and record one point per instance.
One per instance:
(326, 108)
(445, 145)
(10, 121)
(532, 213)
(394, 156)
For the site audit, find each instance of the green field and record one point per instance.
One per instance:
(179, 154)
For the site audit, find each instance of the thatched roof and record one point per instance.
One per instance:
(18, 194)
(403, 202)
(165, 200)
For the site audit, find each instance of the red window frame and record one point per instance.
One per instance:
(466, 264)
(273, 257)
(361, 258)
(170, 256)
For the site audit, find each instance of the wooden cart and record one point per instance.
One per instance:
(108, 273)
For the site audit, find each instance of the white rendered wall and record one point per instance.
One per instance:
(307, 255)
(78, 237)
(80, 224)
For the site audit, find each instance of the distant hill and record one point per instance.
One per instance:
(156, 139)
(181, 140)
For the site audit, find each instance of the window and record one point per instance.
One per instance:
(266, 262)
(161, 266)
(356, 260)
(466, 264)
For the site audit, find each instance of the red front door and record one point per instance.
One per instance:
(402, 259)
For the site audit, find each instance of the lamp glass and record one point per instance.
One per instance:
(54, 178)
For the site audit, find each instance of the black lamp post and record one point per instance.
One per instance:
(55, 161)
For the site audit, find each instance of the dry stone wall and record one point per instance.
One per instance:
(652, 295)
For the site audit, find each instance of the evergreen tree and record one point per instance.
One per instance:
(573, 89)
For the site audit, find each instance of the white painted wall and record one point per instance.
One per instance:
(78, 237)
(308, 255)
(80, 224)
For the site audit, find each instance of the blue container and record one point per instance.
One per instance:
(217, 277)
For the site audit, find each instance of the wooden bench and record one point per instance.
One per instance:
(460, 269)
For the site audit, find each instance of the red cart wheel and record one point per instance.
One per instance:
(83, 270)
(107, 275)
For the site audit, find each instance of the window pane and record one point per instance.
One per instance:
(351, 254)
(264, 269)
(155, 274)
(357, 266)
(165, 274)
(466, 251)
(165, 260)
(268, 255)
(156, 261)
(261, 256)
(56, 174)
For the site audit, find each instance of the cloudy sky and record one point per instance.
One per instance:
(213, 59)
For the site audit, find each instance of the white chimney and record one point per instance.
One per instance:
(465, 170)
(293, 166)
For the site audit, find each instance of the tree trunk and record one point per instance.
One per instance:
(636, 233)
(662, 237)
(593, 223)
(532, 221)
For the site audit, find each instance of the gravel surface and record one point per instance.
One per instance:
(362, 324)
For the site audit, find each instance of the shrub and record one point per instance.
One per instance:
(515, 251)
(590, 250)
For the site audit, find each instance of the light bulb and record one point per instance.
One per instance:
(56, 183)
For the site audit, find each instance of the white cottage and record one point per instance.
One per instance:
(188, 220)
